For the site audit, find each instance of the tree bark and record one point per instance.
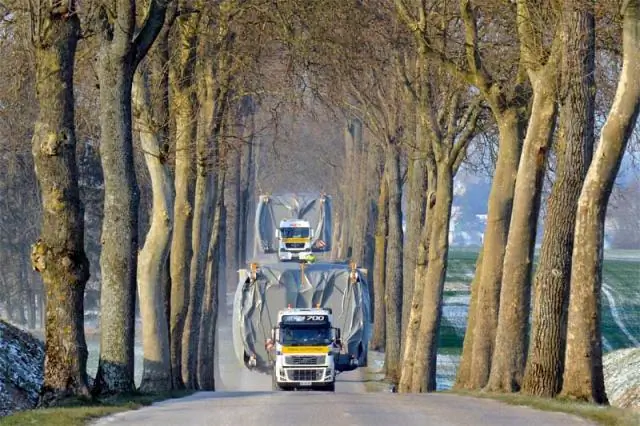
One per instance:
(494, 242)
(509, 356)
(583, 376)
(202, 219)
(120, 224)
(545, 362)
(411, 336)
(59, 252)
(416, 202)
(152, 126)
(463, 374)
(207, 329)
(424, 370)
(247, 180)
(121, 49)
(393, 266)
(183, 91)
(379, 323)
(359, 215)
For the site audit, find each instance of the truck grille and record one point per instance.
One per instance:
(304, 360)
(305, 375)
(294, 245)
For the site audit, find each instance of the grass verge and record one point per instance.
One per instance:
(604, 415)
(77, 412)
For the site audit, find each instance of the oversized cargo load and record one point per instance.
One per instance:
(266, 289)
(271, 210)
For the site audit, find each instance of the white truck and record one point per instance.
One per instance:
(273, 209)
(294, 239)
(306, 350)
(302, 324)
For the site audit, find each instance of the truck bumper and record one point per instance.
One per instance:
(313, 378)
(288, 255)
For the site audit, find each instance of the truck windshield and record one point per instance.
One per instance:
(305, 336)
(294, 232)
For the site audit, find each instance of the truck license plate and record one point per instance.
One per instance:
(305, 383)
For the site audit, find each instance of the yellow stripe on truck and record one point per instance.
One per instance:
(305, 349)
(296, 240)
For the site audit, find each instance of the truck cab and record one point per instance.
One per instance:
(294, 239)
(306, 350)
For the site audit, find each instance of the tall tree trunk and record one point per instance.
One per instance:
(416, 202)
(463, 374)
(583, 376)
(347, 206)
(207, 329)
(183, 91)
(509, 357)
(247, 178)
(494, 242)
(424, 370)
(545, 363)
(373, 171)
(379, 323)
(59, 252)
(393, 266)
(234, 246)
(411, 337)
(152, 123)
(120, 224)
(359, 217)
(202, 219)
(213, 114)
(121, 49)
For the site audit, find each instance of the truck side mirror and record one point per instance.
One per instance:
(277, 233)
(313, 233)
(273, 334)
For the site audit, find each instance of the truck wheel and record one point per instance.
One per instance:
(331, 387)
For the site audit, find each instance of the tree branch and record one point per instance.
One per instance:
(459, 149)
(482, 79)
(151, 27)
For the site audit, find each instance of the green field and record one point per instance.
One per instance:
(620, 305)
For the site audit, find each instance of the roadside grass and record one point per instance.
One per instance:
(374, 381)
(77, 412)
(604, 415)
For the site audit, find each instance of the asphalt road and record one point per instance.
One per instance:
(245, 398)
(266, 408)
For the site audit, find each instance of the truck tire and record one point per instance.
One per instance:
(331, 387)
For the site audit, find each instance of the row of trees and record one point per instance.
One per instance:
(184, 86)
(428, 78)
(173, 74)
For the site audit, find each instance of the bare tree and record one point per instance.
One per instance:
(583, 375)
(121, 49)
(181, 81)
(508, 362)
(59, 252)
(545, 363)
(505, 91)
(151, 113)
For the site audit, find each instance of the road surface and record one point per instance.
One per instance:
(245, 398)
(266, 408)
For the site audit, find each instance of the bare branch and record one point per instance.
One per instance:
(151, 27)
